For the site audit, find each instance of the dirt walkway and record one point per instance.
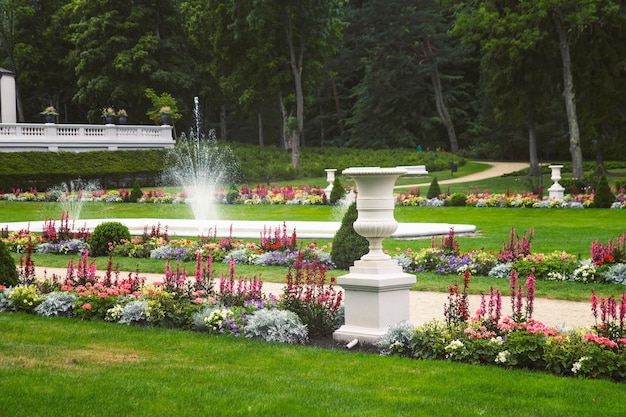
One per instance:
(497, 169)
(426, 306)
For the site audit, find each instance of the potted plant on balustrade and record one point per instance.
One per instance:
(50, 112)
(109, 115)
(121, 116)
(164, 111)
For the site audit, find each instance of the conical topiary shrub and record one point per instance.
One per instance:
(434, 189)
(8, 273)
(135, 193)
(603, 197)
(337, 192)
(348, 245)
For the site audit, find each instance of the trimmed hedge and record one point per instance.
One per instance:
(114, 169)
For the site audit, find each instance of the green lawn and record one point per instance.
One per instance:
(572, 231)
(67, 367)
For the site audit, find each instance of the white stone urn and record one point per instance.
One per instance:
(376, 289)
(330, 177)
(556, 191)
(375, 205)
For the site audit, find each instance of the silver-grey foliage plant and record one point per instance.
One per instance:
(616, 274)
(5, 301)
(397, 339)
(56, 304)
(276, 326)
(135, 312)
(199, 318)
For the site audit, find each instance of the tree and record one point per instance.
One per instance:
(411, 81)
(520, 95)
(241, 67)
(528, 24)
(122, 48)
(309, 29)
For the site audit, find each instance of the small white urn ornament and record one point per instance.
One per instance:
(330, 177)
(376, 289)
(556, 191)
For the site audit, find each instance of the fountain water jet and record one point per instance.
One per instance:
(201, 166)
(72, 196)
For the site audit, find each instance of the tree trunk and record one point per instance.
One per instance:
(295, 61)
(569, 96)
(532, 149)
(284, 138)
(337, 106)
(223, 122)
(260, 119)
(442, 110)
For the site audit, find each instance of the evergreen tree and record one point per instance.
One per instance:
(8, 273)
(603, 197)
(348, 245)
(433, 190)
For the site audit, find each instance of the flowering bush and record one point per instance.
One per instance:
(522, 342)
(307, 295)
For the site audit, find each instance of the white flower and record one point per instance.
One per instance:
(454, 345)
(577, 365)
(502, 356)
(496, 340)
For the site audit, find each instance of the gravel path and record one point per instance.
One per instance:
(497, 169)
(426, 306)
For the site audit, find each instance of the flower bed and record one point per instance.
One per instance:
(309, 307)
(517, 340)
(310, 195)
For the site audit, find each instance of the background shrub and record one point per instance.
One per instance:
(433, 190)
(337, 192)
(458, 199)
(8, 273)
(43, 170)
(603, 197)
(107, 232)
(348, 245)
(135, 193)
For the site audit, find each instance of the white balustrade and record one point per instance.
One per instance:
(15, 137)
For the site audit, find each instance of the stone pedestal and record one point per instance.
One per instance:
(556, 191)
(330, 177)
(376, 289)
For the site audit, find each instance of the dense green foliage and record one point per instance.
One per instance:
(348, 245)
(106, 234)
(43, 170)
(8, 273)
(135, 193)
(476, 75)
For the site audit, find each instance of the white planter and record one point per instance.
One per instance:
(556, 191)
(376, 289)
(330, 177)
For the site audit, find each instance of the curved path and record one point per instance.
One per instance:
(496, 169)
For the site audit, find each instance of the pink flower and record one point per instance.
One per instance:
(86, 306)
(198, 300)
(600, 340)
